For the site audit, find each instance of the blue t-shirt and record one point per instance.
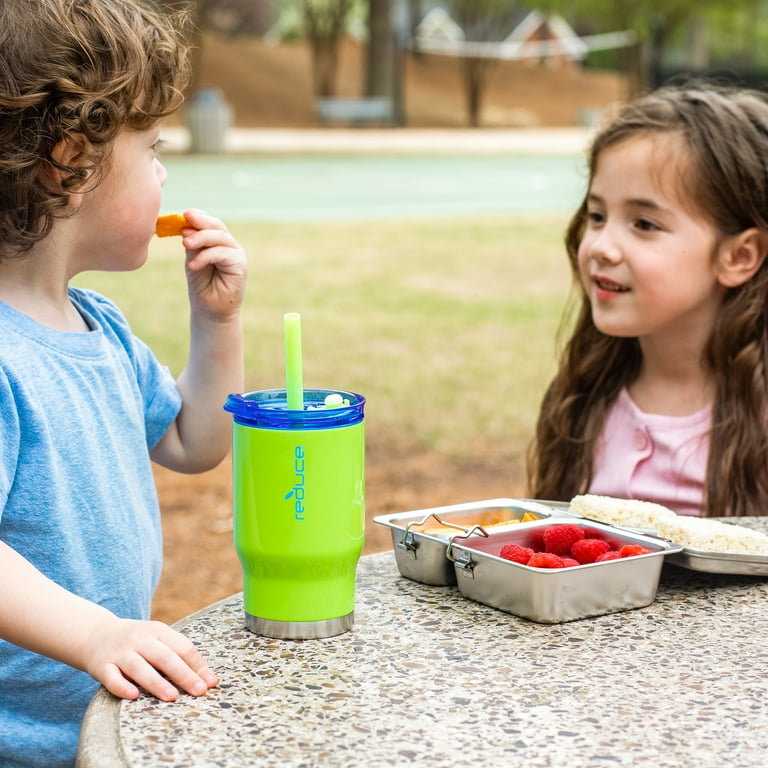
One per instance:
(78, 415)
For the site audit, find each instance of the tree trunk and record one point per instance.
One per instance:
(380, 62)
(635, 68)
(476, 72)
(325, 64)
(325, 25)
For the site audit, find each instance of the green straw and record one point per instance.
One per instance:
(294, 378)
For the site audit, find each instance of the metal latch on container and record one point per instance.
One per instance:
(464, 564)
(408, 544)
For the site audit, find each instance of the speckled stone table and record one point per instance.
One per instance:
(429, 678)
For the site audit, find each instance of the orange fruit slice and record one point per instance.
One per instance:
(170, 225)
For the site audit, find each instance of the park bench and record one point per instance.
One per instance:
(354, 111)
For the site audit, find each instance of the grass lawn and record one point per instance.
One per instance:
(448, 327)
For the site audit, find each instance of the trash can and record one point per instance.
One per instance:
(208, 118)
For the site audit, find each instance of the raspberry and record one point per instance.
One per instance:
(558, 539)
(588, 550)
(612, 555)
(630, 550)
(516, 553)
(545, 560)
(569, 562)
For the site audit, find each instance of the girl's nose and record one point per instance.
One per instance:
(603, 246)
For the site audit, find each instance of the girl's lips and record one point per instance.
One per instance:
(607, 288)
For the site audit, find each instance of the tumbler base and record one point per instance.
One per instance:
(299, 630)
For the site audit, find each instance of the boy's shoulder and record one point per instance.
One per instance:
(87, 297)
(94, 305)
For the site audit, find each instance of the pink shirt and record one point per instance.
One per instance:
(651, 457)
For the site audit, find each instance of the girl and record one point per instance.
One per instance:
(661, 390)
(84, 405)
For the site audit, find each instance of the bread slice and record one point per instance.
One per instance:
(699, 533)
(629, 513)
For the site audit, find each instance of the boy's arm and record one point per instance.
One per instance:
(216, 272)
(120, 653)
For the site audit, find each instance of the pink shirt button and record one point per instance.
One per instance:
(640, 440)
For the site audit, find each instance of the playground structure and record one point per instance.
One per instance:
(539, 36)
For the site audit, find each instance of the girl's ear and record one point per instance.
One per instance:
(741, 256)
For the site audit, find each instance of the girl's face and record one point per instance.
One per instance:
(648, 260)
(122, 210)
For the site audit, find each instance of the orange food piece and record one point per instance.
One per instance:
(487, 519)
(170, 225)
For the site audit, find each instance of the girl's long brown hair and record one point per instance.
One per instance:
(726, 132)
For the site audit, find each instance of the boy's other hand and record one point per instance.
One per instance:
(125, 655)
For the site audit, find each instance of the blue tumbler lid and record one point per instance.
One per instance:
(267, 409)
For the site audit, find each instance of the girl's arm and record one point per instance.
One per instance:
(120, 653)
(216, 273)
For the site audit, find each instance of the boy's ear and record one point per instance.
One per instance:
(741, 256)
(70, 152)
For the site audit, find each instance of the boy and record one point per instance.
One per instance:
(84, 405)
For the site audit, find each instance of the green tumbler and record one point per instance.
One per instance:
(299, 509)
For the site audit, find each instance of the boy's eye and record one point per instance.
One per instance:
(158, 146)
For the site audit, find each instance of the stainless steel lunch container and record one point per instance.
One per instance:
(421, 556)
(554, 595)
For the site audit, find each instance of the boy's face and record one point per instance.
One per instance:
(120, 212)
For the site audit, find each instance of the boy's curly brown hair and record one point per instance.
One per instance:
(76, 71)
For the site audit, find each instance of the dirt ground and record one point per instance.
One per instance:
(269, 86)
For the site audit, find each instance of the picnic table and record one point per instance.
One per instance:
(428, 677)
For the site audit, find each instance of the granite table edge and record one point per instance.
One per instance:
(100, 745)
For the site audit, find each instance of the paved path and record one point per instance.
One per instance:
(371, 174)
(525, 141)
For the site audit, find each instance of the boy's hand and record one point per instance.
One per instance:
(201, 435)
(216, 266)
(123, 654)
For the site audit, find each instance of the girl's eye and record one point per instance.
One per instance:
(646, 225)
(595, 217)
(158, 146)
